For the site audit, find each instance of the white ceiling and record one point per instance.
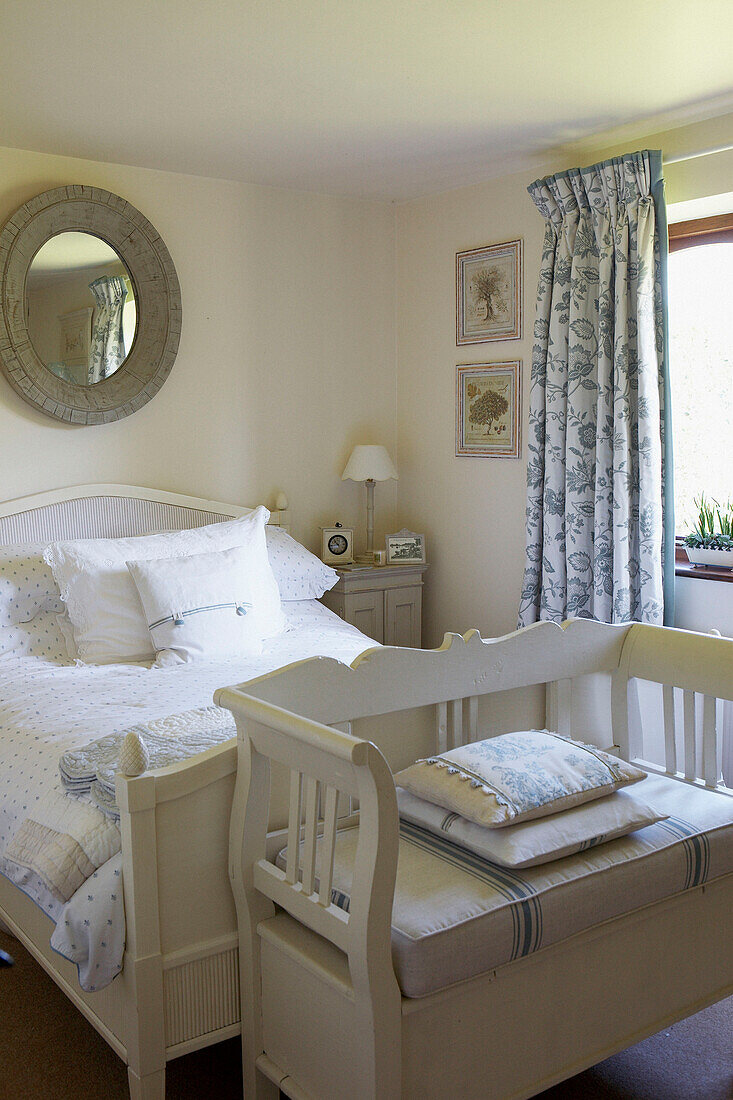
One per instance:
(383, 98)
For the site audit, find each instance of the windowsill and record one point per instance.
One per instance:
(702, 572)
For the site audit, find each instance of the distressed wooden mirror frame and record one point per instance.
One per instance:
(157, 292)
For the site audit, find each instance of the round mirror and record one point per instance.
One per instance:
(90, 305)
(81, 310)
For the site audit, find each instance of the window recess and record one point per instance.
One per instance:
(701, 370)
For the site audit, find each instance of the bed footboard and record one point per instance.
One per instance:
(181, 961)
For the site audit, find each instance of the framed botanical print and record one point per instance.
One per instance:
(489, 409)
(489, 293)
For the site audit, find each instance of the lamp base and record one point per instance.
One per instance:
(364, 559)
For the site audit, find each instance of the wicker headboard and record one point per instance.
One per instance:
(112, 511)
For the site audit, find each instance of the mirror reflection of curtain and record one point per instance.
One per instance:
(108, 347)
(60, 369)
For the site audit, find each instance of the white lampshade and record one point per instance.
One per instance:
(369, 464)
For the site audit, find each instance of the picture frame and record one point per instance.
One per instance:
(405, 548)
(489, 293)
(489, 409)
(75, 331)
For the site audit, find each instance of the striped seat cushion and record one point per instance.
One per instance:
(456, 915)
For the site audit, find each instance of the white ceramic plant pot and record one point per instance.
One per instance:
(700, 556)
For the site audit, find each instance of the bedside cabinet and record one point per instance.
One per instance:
(384, 602)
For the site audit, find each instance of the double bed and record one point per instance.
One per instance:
(150, 935)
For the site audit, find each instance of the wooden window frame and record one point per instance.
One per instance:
(714, 230)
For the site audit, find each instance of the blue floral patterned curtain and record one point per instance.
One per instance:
(108, 347)
(595, 478)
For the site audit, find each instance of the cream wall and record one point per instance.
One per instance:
(314, 322)
(472, 509)
(286, 357)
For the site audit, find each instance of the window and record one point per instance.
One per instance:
(129, 317)
(701, 361)
(129, 323)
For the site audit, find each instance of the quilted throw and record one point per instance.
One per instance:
(64, 844)
(93, 769)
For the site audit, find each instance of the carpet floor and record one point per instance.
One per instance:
(48, 1051)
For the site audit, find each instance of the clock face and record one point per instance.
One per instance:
(337, 544)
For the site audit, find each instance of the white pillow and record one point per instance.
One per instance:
(300, 575)
(517, 776)
(202, 606)
(101, 597)
(43, 636)
(27, 585)
(531, 843)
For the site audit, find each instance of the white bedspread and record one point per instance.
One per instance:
(47, 707)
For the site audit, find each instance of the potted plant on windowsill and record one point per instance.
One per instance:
(711, 540)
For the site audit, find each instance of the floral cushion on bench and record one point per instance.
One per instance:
(516, 777)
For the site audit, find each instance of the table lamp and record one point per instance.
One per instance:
(369, 464)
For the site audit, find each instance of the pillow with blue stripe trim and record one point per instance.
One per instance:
(531, 843)
(203, 606)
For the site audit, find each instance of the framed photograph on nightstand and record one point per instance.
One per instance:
(405, 548)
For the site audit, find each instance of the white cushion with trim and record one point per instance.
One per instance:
(531, 843)
(517, 776)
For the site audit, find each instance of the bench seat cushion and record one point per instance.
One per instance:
(456, 915)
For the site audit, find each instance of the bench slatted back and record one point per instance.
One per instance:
(695, 672)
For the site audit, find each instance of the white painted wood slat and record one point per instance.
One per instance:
(328, 845)
(551, 705)
(294, 819)
(470, 719)
(670, 739)
(456, 723)
(311, 835)
(441, 727)
(688, 706)
(620, 713)
(709, 741)
(564, 704)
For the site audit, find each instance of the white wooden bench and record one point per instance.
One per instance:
(322, 1011)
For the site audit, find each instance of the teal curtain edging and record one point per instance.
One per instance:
(660, 210)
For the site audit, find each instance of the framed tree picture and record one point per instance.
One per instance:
(489, 293)
(489, 409)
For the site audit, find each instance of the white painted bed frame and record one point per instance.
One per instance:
(179, 988)
(323, 1016)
